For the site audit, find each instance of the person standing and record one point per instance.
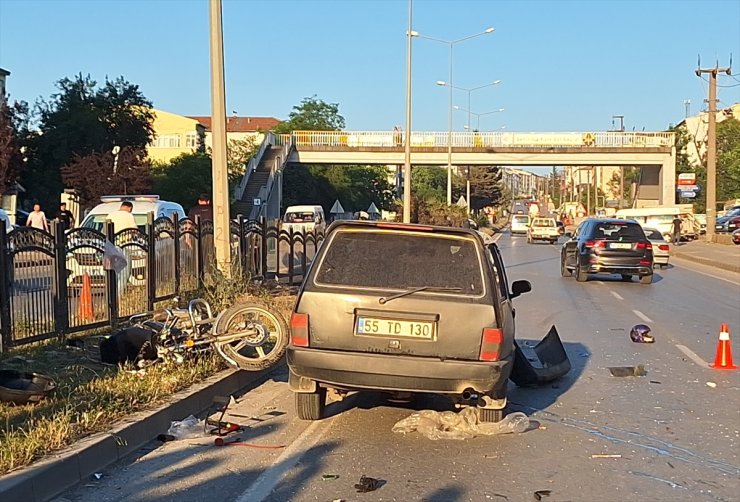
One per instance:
(676, 230)
(37, 218)
(65, 216)
(204, 209)
(122, 219)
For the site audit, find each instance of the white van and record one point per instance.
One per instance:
(653, 217)
(86, 260)
(520, 223)
(308, 218)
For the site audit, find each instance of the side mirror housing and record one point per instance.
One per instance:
(520, 287)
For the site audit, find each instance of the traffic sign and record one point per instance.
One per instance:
(686, 179)
(688, 195)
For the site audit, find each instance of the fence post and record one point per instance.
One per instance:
(263, 258)
(304, 265)
(112, 281)
(5, 319)
(291, 251)
(176, 235)
(151, 262)
(61, 300)
(199, 268)
(241, 249)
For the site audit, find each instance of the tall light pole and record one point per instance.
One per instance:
(451, 44)
(218, 125)
(407, 143)
(477, 115)
(469, 91)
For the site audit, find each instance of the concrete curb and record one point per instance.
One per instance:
(51, 476)
(707, 261)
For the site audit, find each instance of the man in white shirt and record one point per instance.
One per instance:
(123, 220)
(37, 218)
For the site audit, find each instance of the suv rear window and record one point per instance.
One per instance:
(398, 260)
(617, 231)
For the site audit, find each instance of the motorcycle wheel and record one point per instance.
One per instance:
(264, 341)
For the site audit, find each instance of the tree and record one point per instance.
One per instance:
(485, 186)
(80, 120)
(728, 160)
(312, 114)
(184, 178)
(238, 153)
(429, 183)
(14, 134)
(93, 175)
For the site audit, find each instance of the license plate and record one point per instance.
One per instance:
(391, 327)
(620, 245)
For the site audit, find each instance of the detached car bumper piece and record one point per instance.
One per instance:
(553, 362)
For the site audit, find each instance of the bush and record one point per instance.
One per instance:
(432, 212)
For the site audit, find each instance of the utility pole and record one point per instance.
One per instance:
(687, 106)
(712, 146)
(407, 143)
(221, 228)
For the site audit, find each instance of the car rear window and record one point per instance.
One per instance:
(399, 260)
(521, 219)
(543, 223)
(653, 234)
(617, 231)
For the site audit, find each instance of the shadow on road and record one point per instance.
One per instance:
(446, 494)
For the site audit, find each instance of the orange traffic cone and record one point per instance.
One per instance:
(85, 310)
(723, 359)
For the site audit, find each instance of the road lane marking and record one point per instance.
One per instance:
(692, 355)
(616, 295)
(642, 316)
(736, 283)
(269, 479)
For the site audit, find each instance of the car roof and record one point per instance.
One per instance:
(140, 207)
(407, 227)
(302, 208)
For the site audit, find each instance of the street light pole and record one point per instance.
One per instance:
(218, 124)
(407, 144)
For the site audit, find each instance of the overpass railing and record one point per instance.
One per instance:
(385, 139)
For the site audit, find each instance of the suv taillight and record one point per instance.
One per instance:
(491, 345)
(594, 244)
(299, 329)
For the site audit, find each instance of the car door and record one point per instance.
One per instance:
(506, 312)
(570, 248)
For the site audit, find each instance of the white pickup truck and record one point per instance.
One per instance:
(544, 229)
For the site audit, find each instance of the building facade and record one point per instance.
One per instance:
(238, 128)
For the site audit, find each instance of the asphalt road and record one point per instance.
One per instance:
(675, 436)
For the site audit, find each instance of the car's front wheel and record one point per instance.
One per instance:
(564, 272)
(310, 405)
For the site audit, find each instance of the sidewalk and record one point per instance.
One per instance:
(726, 257)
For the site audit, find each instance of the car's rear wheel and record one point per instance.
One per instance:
(646, 279)
(626, 277)
(581, 275)
(488, 415)
(564, 272)
(310, 405)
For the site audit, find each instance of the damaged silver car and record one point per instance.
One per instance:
(405, 308)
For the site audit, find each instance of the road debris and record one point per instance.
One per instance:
(605, 455)
(539, 494)
(463, 425)
(367, 484)
(189, 428)
(640, 333)
(711, 384)
(98, 475)
(329, 477)
(625, 371)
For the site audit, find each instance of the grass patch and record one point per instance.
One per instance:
(91, 397)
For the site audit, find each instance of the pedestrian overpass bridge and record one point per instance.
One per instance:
(654, 152)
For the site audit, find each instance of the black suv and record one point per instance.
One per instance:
(608, 246)
(406, 308)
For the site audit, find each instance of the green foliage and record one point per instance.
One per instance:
(728, 160)
(485, 186)
(429, 183)
(238, 153)
(434, 212)
(355, 186)
(312, 114)
(79, 120)
(184, 178)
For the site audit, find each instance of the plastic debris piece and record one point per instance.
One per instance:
(367, 484)
(711, 384)
(463, 425)
(98, 475)
(188, 428)
(605, 455)
(539, 494)
(654, 381)
(328, 477)
(640, 333)
(625, 371)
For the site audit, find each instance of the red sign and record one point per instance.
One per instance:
(687, 179)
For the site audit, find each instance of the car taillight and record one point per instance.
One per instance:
(644, 245)
(299, 329)
(491, 345)
(645, 262)
(663, 247)
(595, 244)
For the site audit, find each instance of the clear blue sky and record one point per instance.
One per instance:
(565, 66)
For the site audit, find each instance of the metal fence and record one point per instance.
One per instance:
(56, 283)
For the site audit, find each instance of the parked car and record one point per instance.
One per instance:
(736, 236)
(543, 229)
(729, 222)
(405, 308)
(701, 220)
(520, 224)
(661, 248)
(300, 218)
(612, 246)
(86, 260)
(4, 216)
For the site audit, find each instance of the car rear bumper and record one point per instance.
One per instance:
(621, 266)
(660, 259)
(353, 370)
